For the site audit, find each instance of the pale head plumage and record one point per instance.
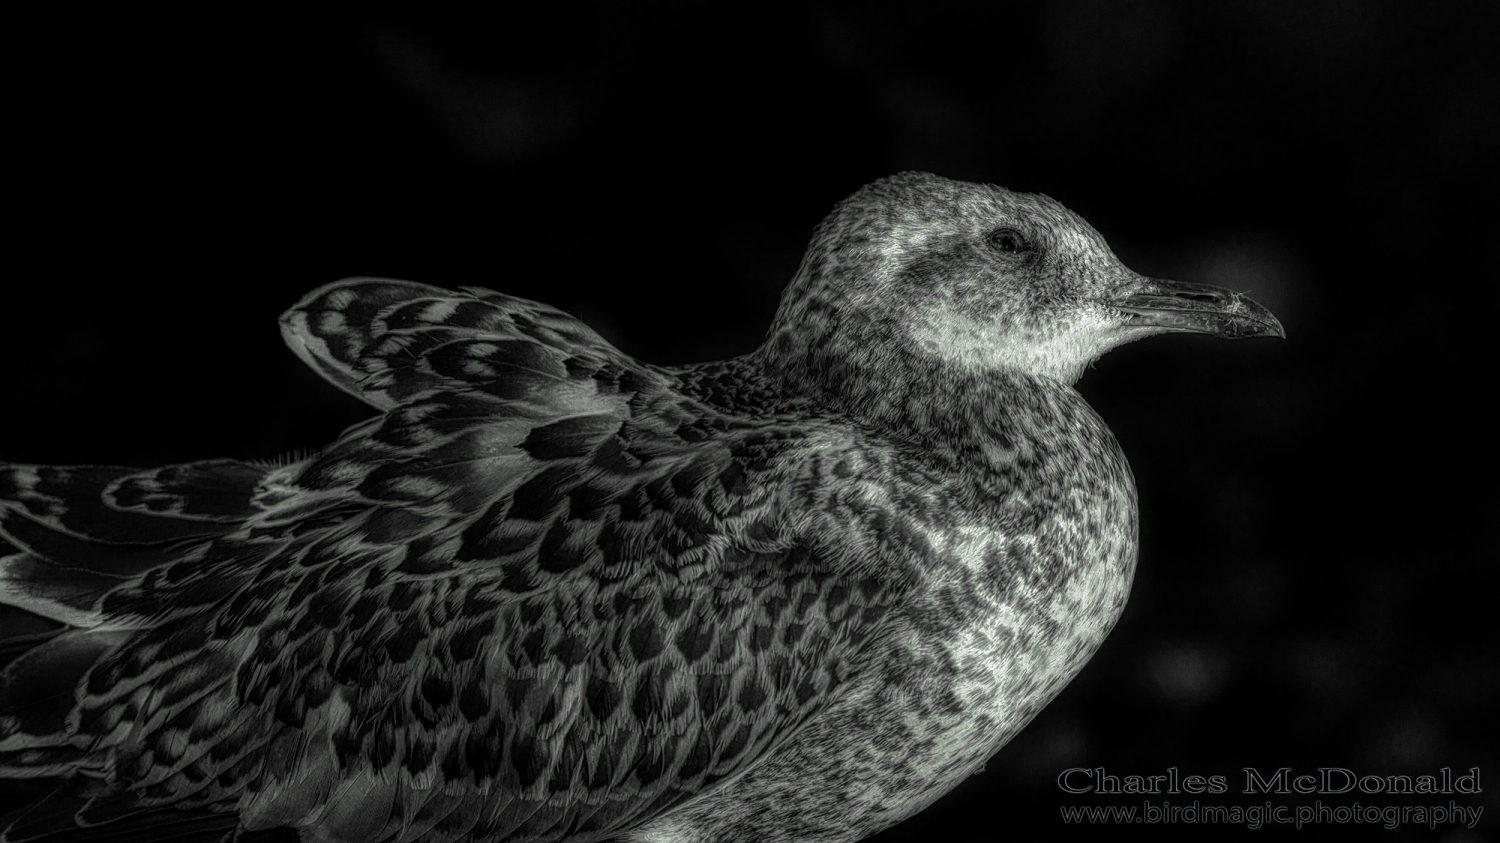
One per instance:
(920, 272)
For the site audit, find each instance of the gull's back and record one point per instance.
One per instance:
(544, 595)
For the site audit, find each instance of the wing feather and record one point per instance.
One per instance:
(542, 594)
(390, 342)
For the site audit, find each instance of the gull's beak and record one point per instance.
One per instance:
(1199, 308)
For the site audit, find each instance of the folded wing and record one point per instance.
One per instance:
(541, 594)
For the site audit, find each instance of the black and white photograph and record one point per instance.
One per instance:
(667, 422)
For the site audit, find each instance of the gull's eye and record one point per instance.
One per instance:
(1006, 240)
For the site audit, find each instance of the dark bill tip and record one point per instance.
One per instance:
(1201, 309)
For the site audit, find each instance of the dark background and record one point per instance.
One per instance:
(1318, 560)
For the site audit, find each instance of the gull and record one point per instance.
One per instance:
(552, 593)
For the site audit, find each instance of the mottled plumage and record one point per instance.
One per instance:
(553, 593)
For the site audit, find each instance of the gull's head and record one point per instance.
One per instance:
(952, 275)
